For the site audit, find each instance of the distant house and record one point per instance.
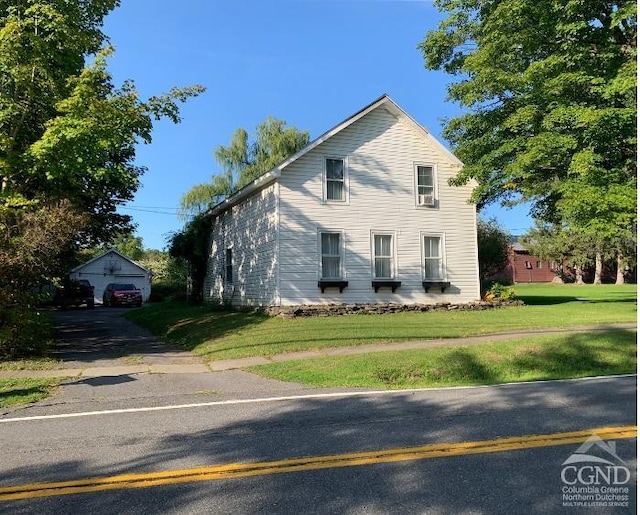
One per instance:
(113, 267)
(524, 267)
(363, 214)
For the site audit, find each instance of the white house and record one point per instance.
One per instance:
(363, 214)
(113, 267)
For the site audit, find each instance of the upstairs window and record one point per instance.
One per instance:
(383, 266)
(433, 259)
(331, 255)
(335, 179)
(425, 185)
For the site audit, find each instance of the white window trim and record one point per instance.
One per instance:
(345, 160)
(394, 255)
(343, 274)
(443, 255)
(433, 204)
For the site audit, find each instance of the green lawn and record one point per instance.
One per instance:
(26, 390)
(217, 334)
(528, 359)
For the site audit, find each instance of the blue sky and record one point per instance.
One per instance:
(312, 63)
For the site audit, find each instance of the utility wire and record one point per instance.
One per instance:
(166, 210)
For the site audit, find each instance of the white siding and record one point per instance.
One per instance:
(382, 152)
(250, 231)
(113, 268)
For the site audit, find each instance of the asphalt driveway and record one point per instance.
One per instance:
(111, 363)
(102, 337)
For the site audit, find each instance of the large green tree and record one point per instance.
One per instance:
(244, 161)
(66, 131)
(68, 137)
(549, 96)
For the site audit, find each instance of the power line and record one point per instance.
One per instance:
(172, 211)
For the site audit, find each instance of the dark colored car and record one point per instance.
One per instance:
(74, 292)
(122, 294)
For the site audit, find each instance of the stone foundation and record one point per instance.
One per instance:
(379, 309)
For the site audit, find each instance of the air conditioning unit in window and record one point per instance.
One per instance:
(425, 200)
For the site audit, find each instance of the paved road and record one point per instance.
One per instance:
(107, 444)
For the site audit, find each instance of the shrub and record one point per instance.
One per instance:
(24, 331)
(500, 292)
(167, 291)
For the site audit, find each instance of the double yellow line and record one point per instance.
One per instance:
(238, 470)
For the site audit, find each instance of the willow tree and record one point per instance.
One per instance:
(549, 96)
(244, 161)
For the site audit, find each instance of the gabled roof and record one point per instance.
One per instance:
(110, 251)
(383, 101)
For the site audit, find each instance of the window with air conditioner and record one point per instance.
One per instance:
(425, 185)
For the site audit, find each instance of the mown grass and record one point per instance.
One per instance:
(30, 364)
(26, 390)
(216, 334)
(528, 359)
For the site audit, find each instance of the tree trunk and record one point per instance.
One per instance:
(620, 272)
(597, 278)
(579, 279)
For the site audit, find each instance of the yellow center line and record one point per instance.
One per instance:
(354, 459)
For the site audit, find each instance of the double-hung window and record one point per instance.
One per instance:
(425, 185)
(331, 255)
(335, 173)
(383, 256)
(434, 269)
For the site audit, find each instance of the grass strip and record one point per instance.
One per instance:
(528, 359)
(26, 390)
(30, 364)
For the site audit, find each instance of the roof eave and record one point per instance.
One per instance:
(104, 254)
(246, 191)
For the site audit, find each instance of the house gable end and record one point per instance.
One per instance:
(105, 255)
(383, 102)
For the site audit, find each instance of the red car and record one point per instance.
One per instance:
(117, 294)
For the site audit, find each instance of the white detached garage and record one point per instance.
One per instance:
(113, 267)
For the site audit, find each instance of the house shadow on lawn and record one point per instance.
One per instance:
(190, 326)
